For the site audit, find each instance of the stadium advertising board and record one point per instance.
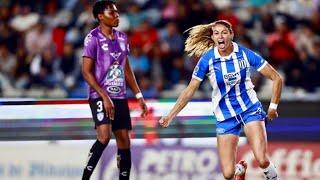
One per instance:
(165, 162)
(65, 161)
(294, 160)
(42, 160)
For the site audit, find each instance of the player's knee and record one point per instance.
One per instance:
(104, 139)
(123, 141)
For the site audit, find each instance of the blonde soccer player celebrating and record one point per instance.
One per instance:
(234, 101)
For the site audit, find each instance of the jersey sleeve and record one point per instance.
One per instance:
(90, 47)
(255, 60)
(201, 68)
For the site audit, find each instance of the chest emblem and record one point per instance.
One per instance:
(242, 63)
(115, 55)
(122, 45)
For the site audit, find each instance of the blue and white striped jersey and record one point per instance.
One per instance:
(229, 77)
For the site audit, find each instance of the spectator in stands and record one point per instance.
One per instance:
(144, 36)
(70, 21)
(69, 67)
(139, 62)
(7, 68)
(135, 15)
(44, 70)
(178, 72)
(281, 43)
(8, 37)
(38, 39)
(23, 68)
(227, 65)
(172, 42)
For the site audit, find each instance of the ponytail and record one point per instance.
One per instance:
(199, 40)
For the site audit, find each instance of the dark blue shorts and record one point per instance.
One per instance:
(233, 125)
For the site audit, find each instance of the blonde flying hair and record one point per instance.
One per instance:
(199, 40)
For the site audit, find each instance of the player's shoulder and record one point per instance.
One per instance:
(91, 36)
(245, 49)
(121, 35)
(93, 33)
(208, 54)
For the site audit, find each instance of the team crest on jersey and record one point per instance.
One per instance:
(122, 45)
(242, 64)
(100, 116)
(115, 72)
(115, 55)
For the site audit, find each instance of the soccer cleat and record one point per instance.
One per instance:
(241, 168)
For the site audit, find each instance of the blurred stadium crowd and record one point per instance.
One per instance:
(41, 44)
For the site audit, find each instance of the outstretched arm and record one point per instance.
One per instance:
(269, 72)
(182, 101)
(131, 81)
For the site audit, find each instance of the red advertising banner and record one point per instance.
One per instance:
(294, 160)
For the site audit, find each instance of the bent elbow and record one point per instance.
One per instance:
(279, 80)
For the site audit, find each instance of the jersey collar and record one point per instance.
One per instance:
(217, 54)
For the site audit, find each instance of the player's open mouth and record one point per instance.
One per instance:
(221, 44)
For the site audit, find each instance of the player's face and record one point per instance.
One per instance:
(110, 16)
(222, 37)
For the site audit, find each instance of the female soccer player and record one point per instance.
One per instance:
(107, 71)
(234, 101)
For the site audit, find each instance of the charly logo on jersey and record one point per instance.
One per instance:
(115, 55)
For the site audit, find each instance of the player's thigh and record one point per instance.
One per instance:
(122, 119)
(227, 148)
(257, 137)
(98, 112)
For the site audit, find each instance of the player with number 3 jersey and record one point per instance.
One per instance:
(107, 71)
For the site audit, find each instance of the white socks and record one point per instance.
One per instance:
(270, 173)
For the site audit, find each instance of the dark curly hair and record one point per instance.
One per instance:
(100, 5)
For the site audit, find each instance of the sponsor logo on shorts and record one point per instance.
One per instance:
(221, 130)
(100, 116)
(257, 112)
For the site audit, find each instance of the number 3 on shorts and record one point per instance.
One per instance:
(99, 106)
